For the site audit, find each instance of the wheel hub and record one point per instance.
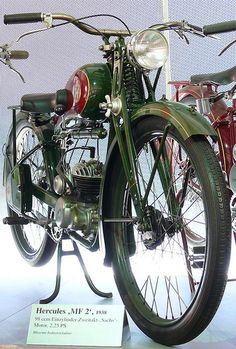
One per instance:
(155, 227)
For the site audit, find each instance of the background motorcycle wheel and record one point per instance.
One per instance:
(32, 240)
(171, 288)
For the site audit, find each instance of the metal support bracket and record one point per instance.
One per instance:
(75, 252)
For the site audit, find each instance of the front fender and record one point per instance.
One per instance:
(188, 122)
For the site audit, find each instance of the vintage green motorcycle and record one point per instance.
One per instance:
(107, 165)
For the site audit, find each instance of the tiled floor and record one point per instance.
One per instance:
(22, 286)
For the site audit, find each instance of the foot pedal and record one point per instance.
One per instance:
(15, 220)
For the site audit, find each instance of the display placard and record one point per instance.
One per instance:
(83, 325)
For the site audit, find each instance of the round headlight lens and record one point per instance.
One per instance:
(148, 49)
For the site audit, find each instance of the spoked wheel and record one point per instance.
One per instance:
(32, 240)
(171, 265)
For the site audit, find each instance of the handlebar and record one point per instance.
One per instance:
(18, 54)
(19, 18)
(48, 18)
(23, 18)
(7, 55)
(221, 27)
(194, 27)
(183, 26)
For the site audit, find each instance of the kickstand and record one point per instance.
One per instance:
(75, 252)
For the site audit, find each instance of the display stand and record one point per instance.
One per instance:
(70, 324)
(74, 252)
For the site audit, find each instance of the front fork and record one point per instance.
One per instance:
(129, 160)
(129, 156)
(125, 139)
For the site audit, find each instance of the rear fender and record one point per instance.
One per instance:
(191, 90)
(188, 122)
(217, 108)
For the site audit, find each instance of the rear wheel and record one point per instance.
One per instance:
(171, 266)
(32, 240)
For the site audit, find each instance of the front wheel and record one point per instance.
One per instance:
(171, 265)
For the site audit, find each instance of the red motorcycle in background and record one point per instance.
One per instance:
(219, 108)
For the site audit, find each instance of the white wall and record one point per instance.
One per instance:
(54, 55)
(201, 56)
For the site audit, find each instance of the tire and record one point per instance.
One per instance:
(171, 287)
(32, 240)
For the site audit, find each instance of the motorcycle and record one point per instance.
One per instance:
(156, 204)
(219, 108)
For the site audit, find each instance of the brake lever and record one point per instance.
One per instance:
(7, 61)
(181, 35)
(31, 32)
(193, 29)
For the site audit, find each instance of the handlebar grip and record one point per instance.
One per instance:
(222, 27)
(19, 18)
(19, 54)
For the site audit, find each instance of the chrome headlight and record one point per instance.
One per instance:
(148, 49)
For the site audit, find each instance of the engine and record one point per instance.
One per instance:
(87, 178)
(79, 210)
